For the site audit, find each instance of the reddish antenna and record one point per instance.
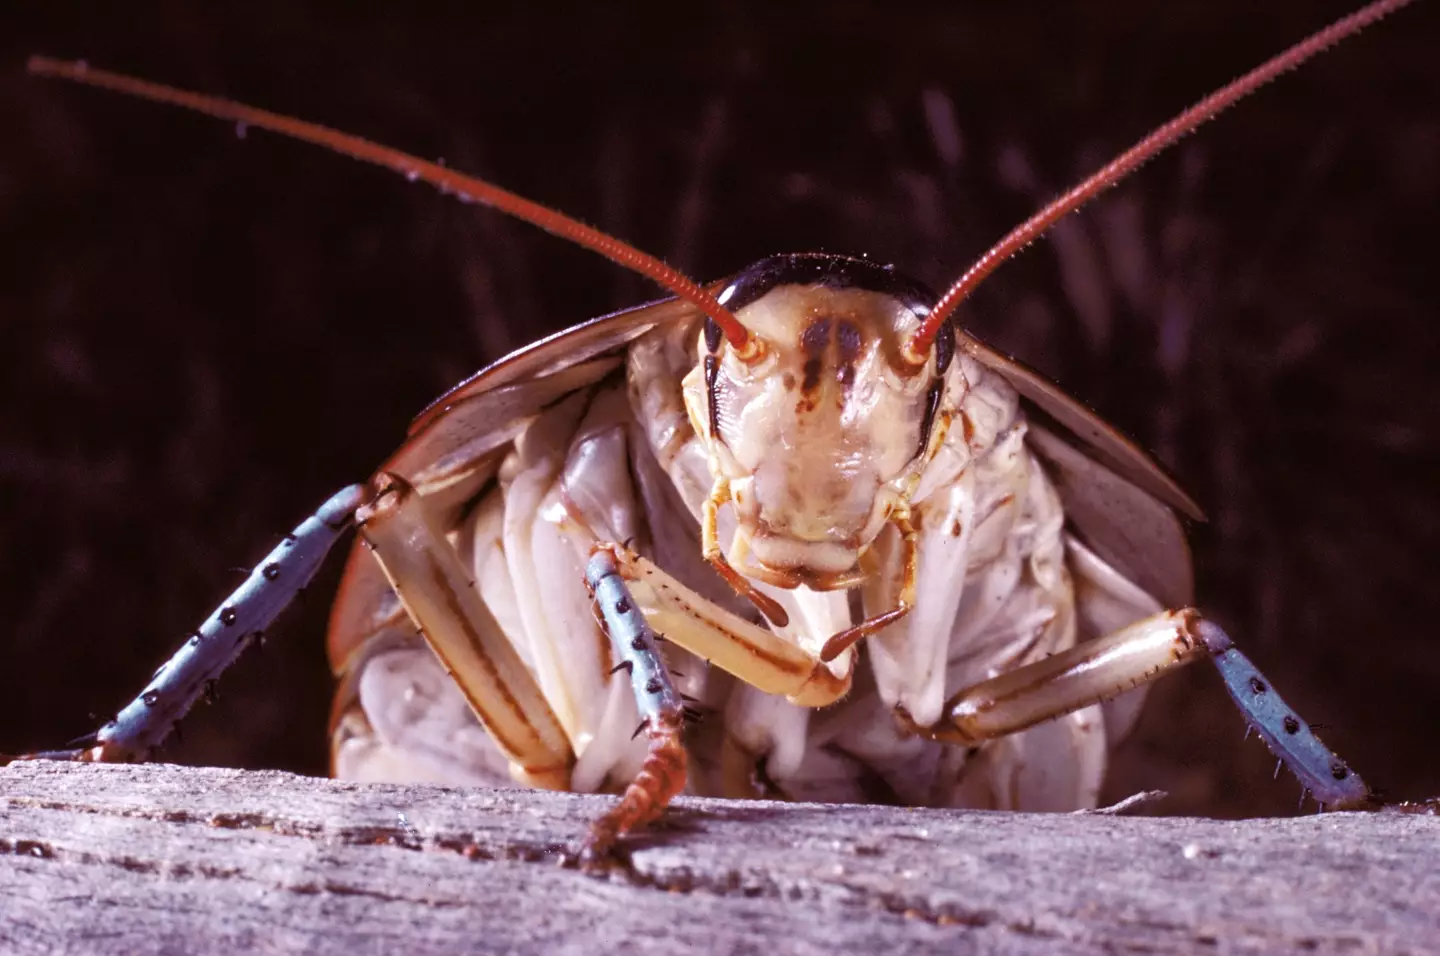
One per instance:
(918, 348)
(412, 167)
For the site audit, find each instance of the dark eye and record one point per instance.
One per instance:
(713, 335)
(712, 400)
(944, 347)
(932, 408)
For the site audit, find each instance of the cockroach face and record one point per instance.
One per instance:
(822, 438)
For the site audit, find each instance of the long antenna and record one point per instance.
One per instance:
(412, 167)
(918, 348)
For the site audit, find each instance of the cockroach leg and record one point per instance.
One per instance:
(439, 594)
(1106, 667)
(1324, 776)
(909, 571)
(147, 720)
(750, 652)
(715, 555)
(662, 775)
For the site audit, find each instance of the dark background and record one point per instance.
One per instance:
(202, 336)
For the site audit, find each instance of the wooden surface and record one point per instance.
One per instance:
(165, 859)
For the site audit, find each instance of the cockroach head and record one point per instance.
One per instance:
(822, 437)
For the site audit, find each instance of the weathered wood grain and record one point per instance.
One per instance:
(165, 859)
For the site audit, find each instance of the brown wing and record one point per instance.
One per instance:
(1101, 440)
(455, 446)
(561, 350)
(1131, 531)
(1118, 499)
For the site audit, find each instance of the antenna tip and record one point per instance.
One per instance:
(48, 66)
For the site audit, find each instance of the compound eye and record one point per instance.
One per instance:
(713, 335)
(944, 347)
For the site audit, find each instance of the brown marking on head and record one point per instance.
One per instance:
(813, 341)
(812, 378)
(816, 336)
(932, 407)
(849, 341)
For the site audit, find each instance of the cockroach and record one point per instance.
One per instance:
(793, 533)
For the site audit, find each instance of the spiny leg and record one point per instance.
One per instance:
(1103, 668)
(909, 571)
(838, 643)
(662, 775)
(439, 593)
(146, 721)
(1324, 775)
(715, 555)
(750, 652)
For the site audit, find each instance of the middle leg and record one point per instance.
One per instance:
(1098, 670)
(439, 594)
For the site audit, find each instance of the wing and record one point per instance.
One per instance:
(1131, 531)
(396, 714)
(453, 446)
(1119, 501)
(557, 352)
(1100, 439)
(456, 445)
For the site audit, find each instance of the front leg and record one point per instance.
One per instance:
(1103, 668)
(662, 776)
(634, 599)
(715, 555)
(843, 640)
(439, 594)
(748, 651)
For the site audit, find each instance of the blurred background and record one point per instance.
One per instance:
(204, 334)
